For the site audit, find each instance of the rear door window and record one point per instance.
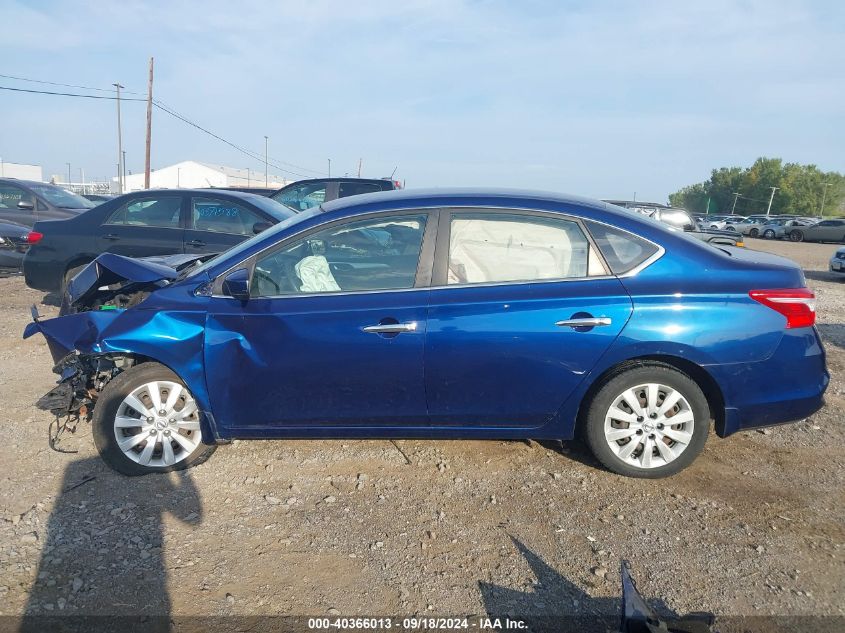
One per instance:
(223, 216)
(504, 247)
(163, 211)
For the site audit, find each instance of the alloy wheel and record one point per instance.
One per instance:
(157, 425)
(649, 426)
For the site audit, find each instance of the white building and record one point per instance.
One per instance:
(20, 171)
(190, 174)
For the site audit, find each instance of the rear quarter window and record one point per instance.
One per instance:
(623, 251)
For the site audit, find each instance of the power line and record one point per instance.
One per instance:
(54, 83)
(247, 152)
(173, 112)
(67, 94)
(163, 108)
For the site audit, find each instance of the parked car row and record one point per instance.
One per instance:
(796, 229)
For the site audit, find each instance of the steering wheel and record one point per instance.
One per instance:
(263, 276)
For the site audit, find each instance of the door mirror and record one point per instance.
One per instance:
(258, 227)
(236, 284)
(26, 205)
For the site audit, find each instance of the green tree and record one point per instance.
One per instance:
(800, 189)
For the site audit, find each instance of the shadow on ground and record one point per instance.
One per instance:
(558, 604)
(823, 275)
(102, 566)
(832, 333)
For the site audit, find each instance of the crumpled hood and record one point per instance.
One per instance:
(110, 274)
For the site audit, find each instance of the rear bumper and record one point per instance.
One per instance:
(41, 275)
(786, 387)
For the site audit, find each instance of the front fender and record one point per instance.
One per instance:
(172, 338)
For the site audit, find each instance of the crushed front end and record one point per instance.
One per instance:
(88, 341)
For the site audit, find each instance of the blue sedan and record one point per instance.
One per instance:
(439, 314)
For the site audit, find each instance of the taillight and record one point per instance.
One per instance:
(34, 237)
(798, 305)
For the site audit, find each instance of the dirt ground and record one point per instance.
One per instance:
(755, 527)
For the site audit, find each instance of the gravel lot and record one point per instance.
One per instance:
(754, 527)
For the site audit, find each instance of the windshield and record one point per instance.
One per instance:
(301, 197)
(61, 197)
(235, 251)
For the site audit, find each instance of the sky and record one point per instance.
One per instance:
(599, 98)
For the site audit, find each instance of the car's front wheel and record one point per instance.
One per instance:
(648, 421)
(146, 421)
(754, 232)
(769, 234)
(796, 236)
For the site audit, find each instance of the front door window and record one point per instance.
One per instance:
(375, 254)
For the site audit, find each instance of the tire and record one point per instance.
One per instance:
(638, 382)
(144, 456)
(753, 233)
(796, 236)
(769, 234)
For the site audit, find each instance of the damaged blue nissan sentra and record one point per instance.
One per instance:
(439, 314)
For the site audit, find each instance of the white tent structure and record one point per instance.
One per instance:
(190, 174)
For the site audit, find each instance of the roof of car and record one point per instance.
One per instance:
(206, 191)
(29, 183)
(434, 196)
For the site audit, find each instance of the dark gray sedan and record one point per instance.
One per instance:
(824, 231)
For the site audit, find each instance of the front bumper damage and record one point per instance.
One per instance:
(81, 378)
(72, 399)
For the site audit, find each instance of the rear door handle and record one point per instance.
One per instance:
(585, 322)
(197, 243)
(392, 328)
(111, 236)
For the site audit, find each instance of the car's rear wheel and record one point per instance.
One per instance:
(754, 232)
(648, 422)
(796, 236)
(769, 234)
(147, 421)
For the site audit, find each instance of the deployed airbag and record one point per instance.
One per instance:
(315, 274)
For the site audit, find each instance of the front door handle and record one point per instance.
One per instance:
(585, 322)
(111, 236)
(392, 328)
(197, 243)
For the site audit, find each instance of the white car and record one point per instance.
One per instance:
(837, 262)
(721, 222)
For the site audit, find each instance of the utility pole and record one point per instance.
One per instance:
(360, 160)
(123, 156)
(772, 197)
(68, 173)
(330, 167)
(149, 127)
(266, 179)
(82, 177)
(825, 185)
(117, 88)
(733, 208)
